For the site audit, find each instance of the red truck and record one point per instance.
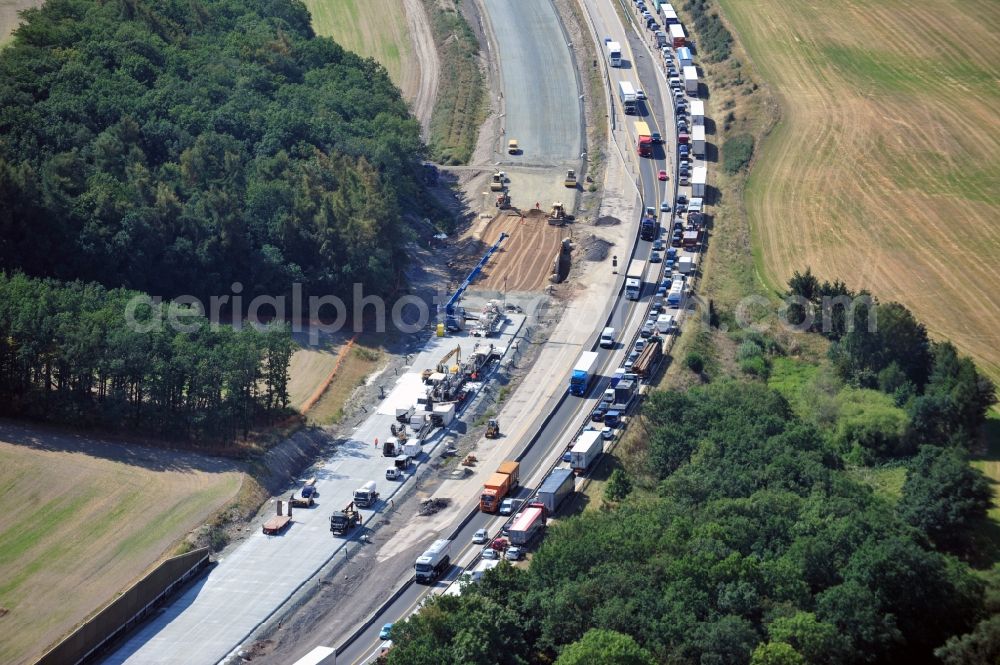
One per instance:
(644, 142)
(526, 525)
(499, 486)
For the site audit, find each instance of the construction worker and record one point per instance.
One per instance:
(376, 442)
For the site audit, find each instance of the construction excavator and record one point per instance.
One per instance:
(503, 201)
(442, 365)
(492, 429)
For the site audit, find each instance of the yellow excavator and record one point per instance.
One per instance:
(442, 365)
(492, 429)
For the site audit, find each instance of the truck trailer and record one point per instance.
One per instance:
(633, 279)
(690, 80)
(588, 447)
(614, 50)
(644, 139)
(626, 93)
(281, 519)
(698, 140)
(433, 562)
(499, 485)
(624, 394)
(676, 294)
(647, 361)
(583, 373)
(699, 176)
(555, 488)
(677, 37)
(527, 524)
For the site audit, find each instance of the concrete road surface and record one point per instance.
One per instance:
(540, 89)
(213, 617)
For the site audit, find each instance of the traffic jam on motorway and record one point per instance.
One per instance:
(676, 232)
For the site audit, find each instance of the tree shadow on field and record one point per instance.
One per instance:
(711, 152)
(51, 439)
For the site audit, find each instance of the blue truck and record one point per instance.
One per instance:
(583, 374)
(649, 227)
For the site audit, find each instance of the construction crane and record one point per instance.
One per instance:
(442, 365)
(450, 308)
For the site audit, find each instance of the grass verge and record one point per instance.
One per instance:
(361, 361)
(460, 107)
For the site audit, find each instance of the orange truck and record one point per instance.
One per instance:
(499, 486)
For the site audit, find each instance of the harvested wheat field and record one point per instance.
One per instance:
(9, 19)
(526, 258)
(885, 169)
(82, 519)
(372, 28)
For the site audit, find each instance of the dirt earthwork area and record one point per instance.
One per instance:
(527, 257)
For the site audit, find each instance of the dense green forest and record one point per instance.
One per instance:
(178, 146)
(74, 354)
(743, 533)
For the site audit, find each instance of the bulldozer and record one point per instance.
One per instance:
(557, 216)
(442, 365)
(492, 429)
(498, 181)
(570, 180)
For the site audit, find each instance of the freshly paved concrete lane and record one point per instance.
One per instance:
(541, 95)
(213, 617)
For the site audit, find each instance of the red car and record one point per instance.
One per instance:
(662, 175)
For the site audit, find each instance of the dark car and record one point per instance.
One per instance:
(682, 198)
(655, 257)
(675, 240)
(658, 245)
(598, 415)
(664, 207)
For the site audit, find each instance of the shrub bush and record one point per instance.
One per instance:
(695, 362)
(736, 153)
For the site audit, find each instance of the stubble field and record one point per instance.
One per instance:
(372, 28)
(81, 519)
(885, 168)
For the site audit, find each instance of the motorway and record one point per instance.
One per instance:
(211, 618)
(540, 91)
(217, 613)
(546, 446)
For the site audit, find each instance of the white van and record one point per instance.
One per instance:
(608, 338)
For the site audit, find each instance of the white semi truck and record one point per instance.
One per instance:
(433, 562)
(633, 279)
